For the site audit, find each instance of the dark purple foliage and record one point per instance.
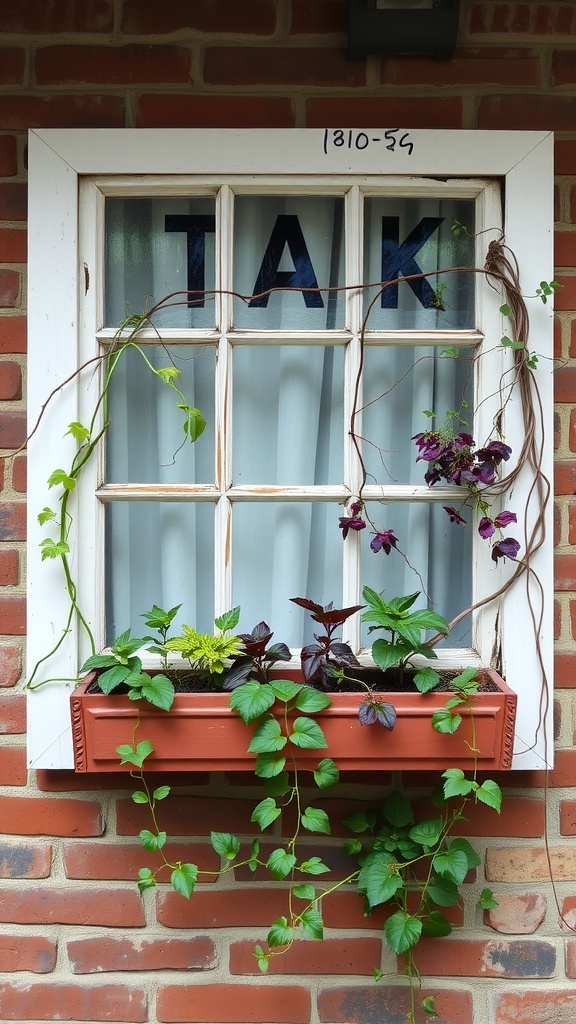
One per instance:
(506, 548)
(385, 540)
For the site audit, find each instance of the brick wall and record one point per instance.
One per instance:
(76, 941)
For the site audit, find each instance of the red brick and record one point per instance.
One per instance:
(568, 817)
(252, 17)
(521, 818)
(572, 431)
(8, 156)
(534, 18)
(233, 908)
(318, 16)
(9, 568)
(27, 953)
(188, 816)
(564, 671)
(10, 382)
(520, 914)
(372, 112)
(564, 156)
(42, 816)
(374, 1004)
(125, 1004)
(9, 289)
(557, 338)
(32, 111)
(526, 111)
(530, 864)
(113, 908)
(122, 65)
(571, 959)
(573, 618)
(19, 474)
(564, 67)
(345, 909)
(56, 16)
(565, 297)
(282, 66)
(13, 616)
(565, 477)
(92, 956)
(331, 956)
(565, 572)
(12, 435)
(536, 1007)
(13, 766)
(233, 1004)
(114, 861)
(11, 65)
(25, 861)
(492, 958)
(12, 328)
(572, 522)
(10, 665)
(214, 112)
(12, 516)
(564, 248)
(12, 244)
(557, 520)
(497, 66)
(565, 383)
(564, 772)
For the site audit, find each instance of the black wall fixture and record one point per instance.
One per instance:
(396, 28)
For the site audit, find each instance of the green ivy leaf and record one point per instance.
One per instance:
(146, 880)
(229, 620)
(307, 734)
(53, 549)
(184, 878)
(312, 923)
(468, 850)
(505, 310)
(158, 690)
(135, 755)
(357, 821)
(280, 863)
(60, 476)
(251, 700)
(491, 794)
(311, 700)
(169, 374)
(304, 891)
(398, 810)
(262, 959)
(486, 900)
(161, 793)
(443, 891)
(285, 689)
(46, 516)
(456, 783)
(194, 422)
(278, 785)
(326, 774)
(152, 841)
(78, 431)
(402, 931)
(315, 820)
(225, 844)
(267, 737)
(313, 866)
(138, 797)
(427, 833)
(269, 764)
(453, 864)
(280, 934)
(436, 925)
(446, 721)
(451, 353)
(378, 879)
(265, 813)
(427, 1005)
(426, 679)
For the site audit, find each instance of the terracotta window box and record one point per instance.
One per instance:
(201, 733)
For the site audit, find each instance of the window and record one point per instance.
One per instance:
(271, 234)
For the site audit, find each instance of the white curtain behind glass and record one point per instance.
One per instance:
(283, 433)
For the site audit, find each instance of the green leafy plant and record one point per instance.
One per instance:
(208, 654)
(122, 667)
(406, 629)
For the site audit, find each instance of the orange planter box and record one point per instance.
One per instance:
(201, 733)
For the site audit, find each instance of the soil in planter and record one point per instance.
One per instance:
(391, 681)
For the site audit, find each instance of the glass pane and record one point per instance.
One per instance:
(403, 237)
(288, 415)
(284, 551)
(155, 247)
(399, 384)
(159, 553)
(292, 242)
(145, 442)
(440, 557)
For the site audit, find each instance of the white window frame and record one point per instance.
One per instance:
(71, 170)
